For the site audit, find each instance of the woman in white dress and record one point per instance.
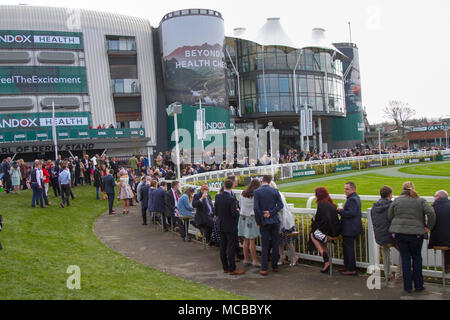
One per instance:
(125, 192)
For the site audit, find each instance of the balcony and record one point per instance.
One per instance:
(126, 87)
(121, 47)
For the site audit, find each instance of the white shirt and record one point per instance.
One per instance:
(246, 205)
(39, 176)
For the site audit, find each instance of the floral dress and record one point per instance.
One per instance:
(125, 191)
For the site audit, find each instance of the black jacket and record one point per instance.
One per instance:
(326, 220)
(144, 195)
(440, 235)
(170, 203)
(226, 210)
(201, 216)
(98, 177)
(108, 184)
(381, 223)
(351, 217)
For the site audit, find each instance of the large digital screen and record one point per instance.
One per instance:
(193, 60)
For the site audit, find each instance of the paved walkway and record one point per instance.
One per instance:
(388, 171)
(168, 253)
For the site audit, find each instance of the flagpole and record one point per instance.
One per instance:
(55, 142)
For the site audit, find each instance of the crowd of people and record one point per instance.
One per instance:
(261, 211)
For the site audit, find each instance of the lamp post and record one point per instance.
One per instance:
(269, 129)
(55, 142)
(172, 110)
(379, 144)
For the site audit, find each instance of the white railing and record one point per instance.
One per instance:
(287, 169)
(366, 249)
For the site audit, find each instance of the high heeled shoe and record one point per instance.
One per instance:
(293, 264)
(327, 270)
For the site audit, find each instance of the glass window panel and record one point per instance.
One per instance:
(273, 84)
(319, 103)
(303, 85)
(284, 85)
(311, 84)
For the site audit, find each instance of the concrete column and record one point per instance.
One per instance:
(314, 136)
(319, 132)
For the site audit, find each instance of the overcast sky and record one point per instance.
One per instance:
(404, 45)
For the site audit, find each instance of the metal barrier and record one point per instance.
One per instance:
(366, 249)
(287, 169)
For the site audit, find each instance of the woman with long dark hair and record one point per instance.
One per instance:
(325, 224)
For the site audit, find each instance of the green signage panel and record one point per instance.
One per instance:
(346, 167)
(303, 173)
(27, 39)
(217, 121)
(43, 120)
(446, 156)
(39, 79)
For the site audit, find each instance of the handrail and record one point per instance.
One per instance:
(211, 175)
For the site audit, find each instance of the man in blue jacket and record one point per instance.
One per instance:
(108, 187)
(351, 227)
(144, 196)
(267, 204)
(159, 203)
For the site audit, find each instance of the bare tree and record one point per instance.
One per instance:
(399, 112)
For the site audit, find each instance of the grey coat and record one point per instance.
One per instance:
(381, 223)
(407, 215)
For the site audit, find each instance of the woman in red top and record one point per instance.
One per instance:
(46, 182)
(104, 174)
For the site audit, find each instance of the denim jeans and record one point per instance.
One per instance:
(37, 195)
(411, 248)
(97, 189)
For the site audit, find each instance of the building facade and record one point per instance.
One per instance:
(95, 68)
(109, 79)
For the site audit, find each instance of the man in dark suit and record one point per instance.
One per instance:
(203, 218)
(144, 193)
(228, 217)
(440, 235)
(108, 187)
(267, 204)
(351, 228)
(171, 202)
(159, 202)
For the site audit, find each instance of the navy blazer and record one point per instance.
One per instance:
(351, 217)
(108, 184)
(144, 196)
(267, 198)
(158, 200)
(226, 210)
(440, 235)
(201, 215)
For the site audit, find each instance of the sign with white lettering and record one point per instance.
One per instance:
(23, 39)
(193, 60)
(399, 161)
(39, 79)
(80, 120)
(303, 173)
(415, 160)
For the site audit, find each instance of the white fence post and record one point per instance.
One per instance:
(374, 253)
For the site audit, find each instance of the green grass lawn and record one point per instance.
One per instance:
(368, 184)
(435, 169)
(39, 245)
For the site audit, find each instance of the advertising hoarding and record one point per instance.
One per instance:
(303, 173)
(33, 121)
(31, 39)
(38, 79)
(193, 60)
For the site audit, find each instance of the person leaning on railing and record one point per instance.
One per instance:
(440, 236)
(325, 224)
(185, 209)
(407, 215)
(381, 224)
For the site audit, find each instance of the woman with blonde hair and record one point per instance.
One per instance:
(185, 209)
(125, 192)
(411, 218)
